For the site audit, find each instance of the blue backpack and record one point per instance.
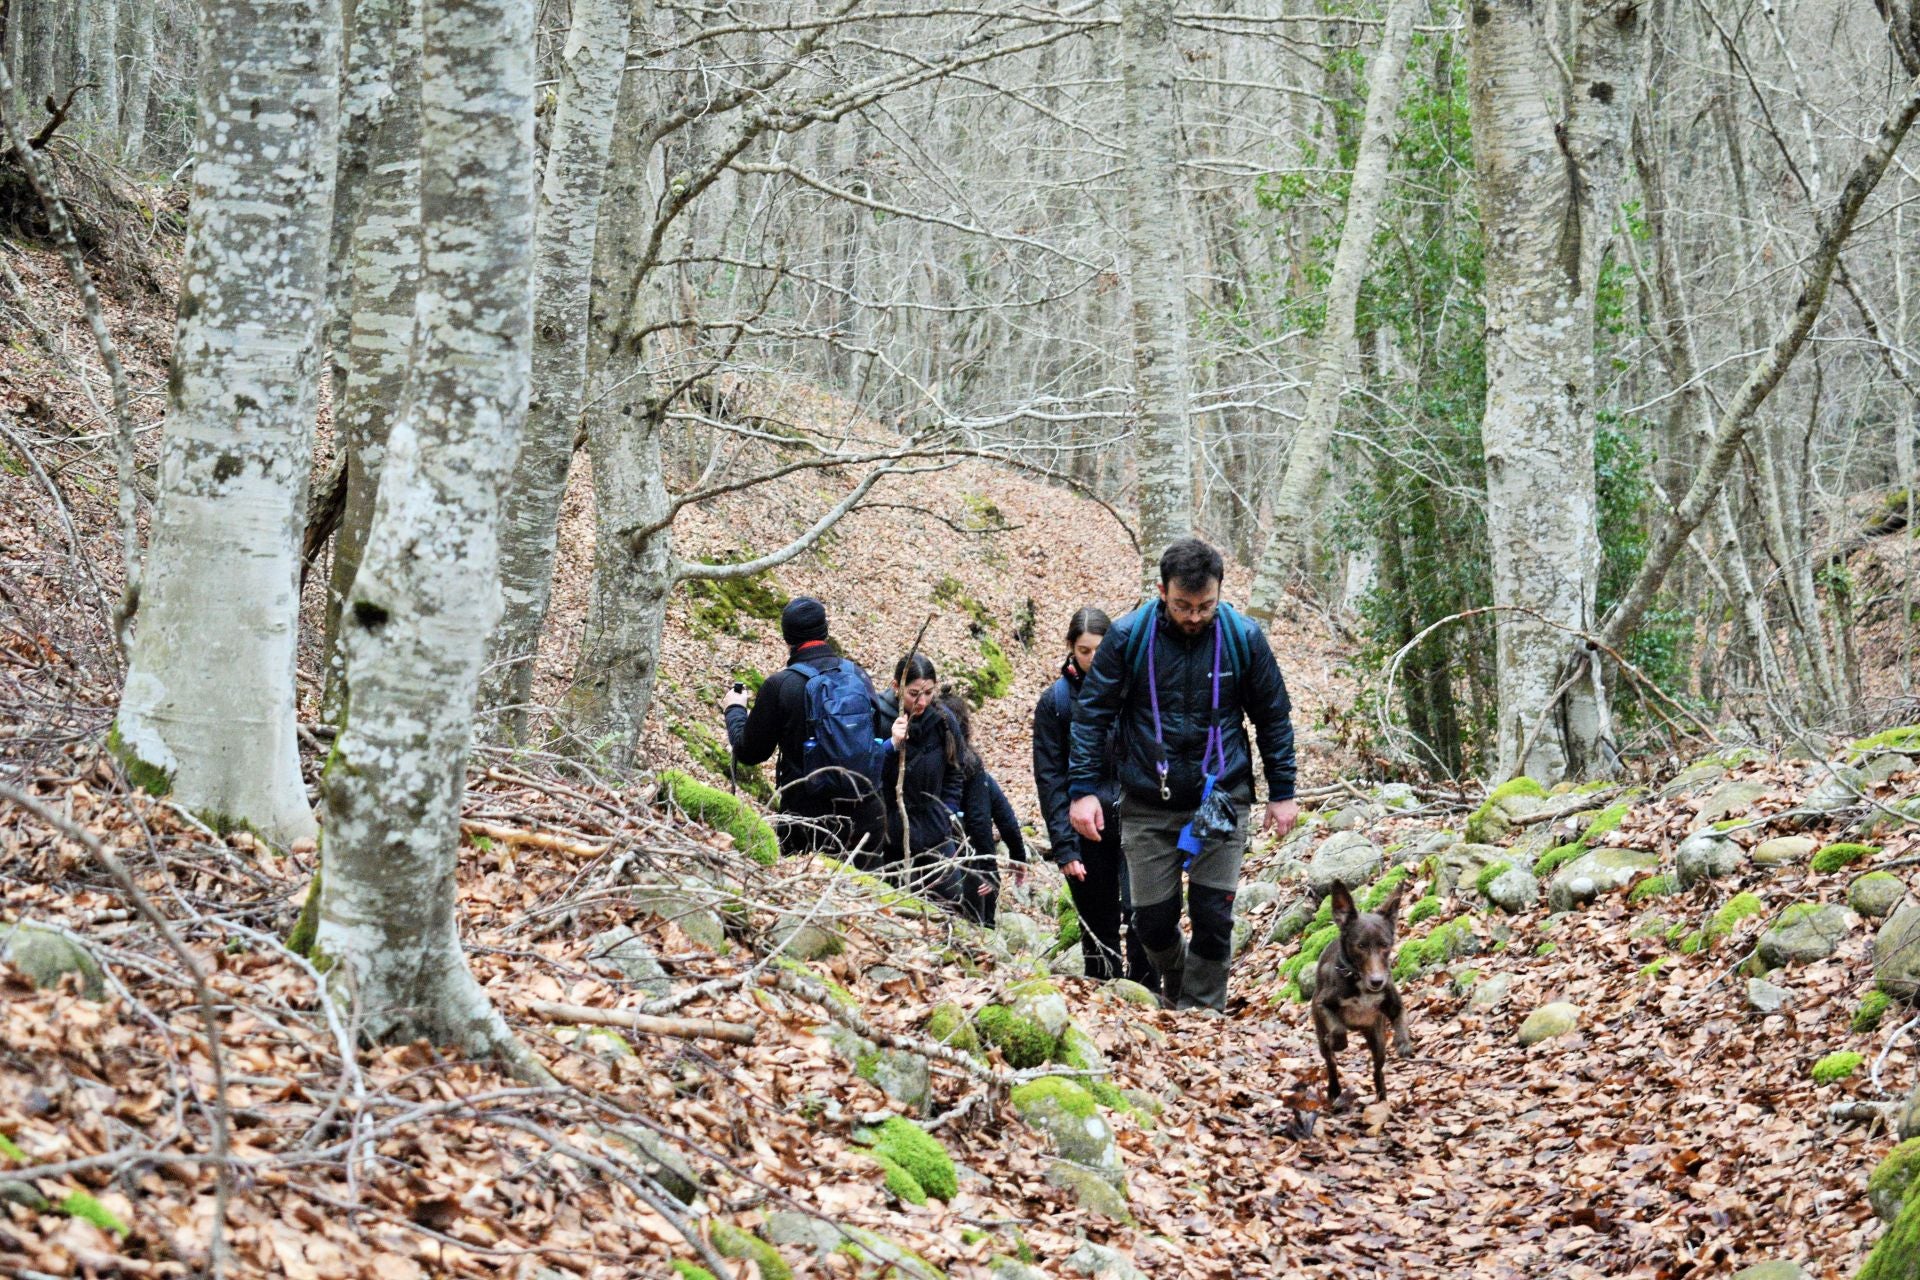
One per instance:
(839, 761)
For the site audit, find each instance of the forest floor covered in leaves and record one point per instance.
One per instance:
(1675, 1131)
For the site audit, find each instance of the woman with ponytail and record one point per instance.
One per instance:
(1096, 873)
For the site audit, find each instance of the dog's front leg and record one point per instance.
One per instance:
(1397, 1014)
(1325, 1032)
(1377, 1046)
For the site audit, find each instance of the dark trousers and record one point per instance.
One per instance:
(1104, 901)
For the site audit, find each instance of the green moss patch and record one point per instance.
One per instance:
(1872, 1007)
(1381, 889)
(1836, 856)
(731, 605)
(953, 594)
(948, 1025)
(1906, 738)
(150, 778)
(993, 678)
(705, 804)
(1453, 938)
(78, 1204)
(1735, 909)
(731, 1242)
(307, 928)
(1478, 826)
(1064, 1093)
(713, 755)
(1553, 859)
(1488, 874)
(1897, 1255)
(915, 1164)
(1836, 1066)
(1424, 909)
(1652, 887)
(684, 1270)
(1022, 1041)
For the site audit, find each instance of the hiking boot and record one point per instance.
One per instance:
(1204, 985)
(1170, 964)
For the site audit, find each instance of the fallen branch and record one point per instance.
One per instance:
(533, 839)
(1860, 1111)
(684, 1028)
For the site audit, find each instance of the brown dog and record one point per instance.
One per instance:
(1355, 990)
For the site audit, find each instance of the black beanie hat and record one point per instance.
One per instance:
(802, 620)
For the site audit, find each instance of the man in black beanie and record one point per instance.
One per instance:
(817, 713)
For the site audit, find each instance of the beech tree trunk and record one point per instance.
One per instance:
(376, 232)
(1548, 181)
(427, 593)
(564, 229)
(1156, 279)
(208, 707)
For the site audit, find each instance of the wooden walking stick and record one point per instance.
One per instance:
(900, 770)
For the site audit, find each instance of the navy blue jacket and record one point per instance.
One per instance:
(1115, 697)
(988, 810)
(1052, 748)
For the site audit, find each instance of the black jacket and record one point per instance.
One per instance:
(778, 722)
(1115, 697)
(935, 781)
(1052, 747)
(987, 809)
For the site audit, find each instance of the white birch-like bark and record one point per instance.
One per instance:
(564, 226)
(427, 594)
(208, 707)
(1548, 184)
(1156, 279)
(376, 230)
(632, 575)
(1306, 473)
(139, 84)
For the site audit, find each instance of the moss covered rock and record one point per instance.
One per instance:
(1836, 1067)
(715, 808)
(914, 1164)
(948, 1025)
(1597, 872)
(1505, 802)
(1706, 855)
(1548, 1021)
(1876, 894)
(1727, 918)
(1843, 854)
(1805, 932)
(1090, 1191)
(47, 955)
(731, 1242)
(1068, 1115)
(1022, 1041)
(1783, 851)
(1867, 1014)
(1897, 1255)
(1893, 1178)
(1896, 954)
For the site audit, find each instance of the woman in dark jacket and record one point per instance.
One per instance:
(1096, 872)
(917, 728)
(985, 809)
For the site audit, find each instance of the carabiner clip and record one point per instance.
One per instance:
(1166, 793)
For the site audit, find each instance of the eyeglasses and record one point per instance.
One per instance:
(1191, 613)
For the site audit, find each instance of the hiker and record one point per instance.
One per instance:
(1096, 872)
(984, 811)
(919, 730)
(1175, 677)
(817, 713)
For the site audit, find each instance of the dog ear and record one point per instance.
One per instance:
(1342, 903)
(1390, 909)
